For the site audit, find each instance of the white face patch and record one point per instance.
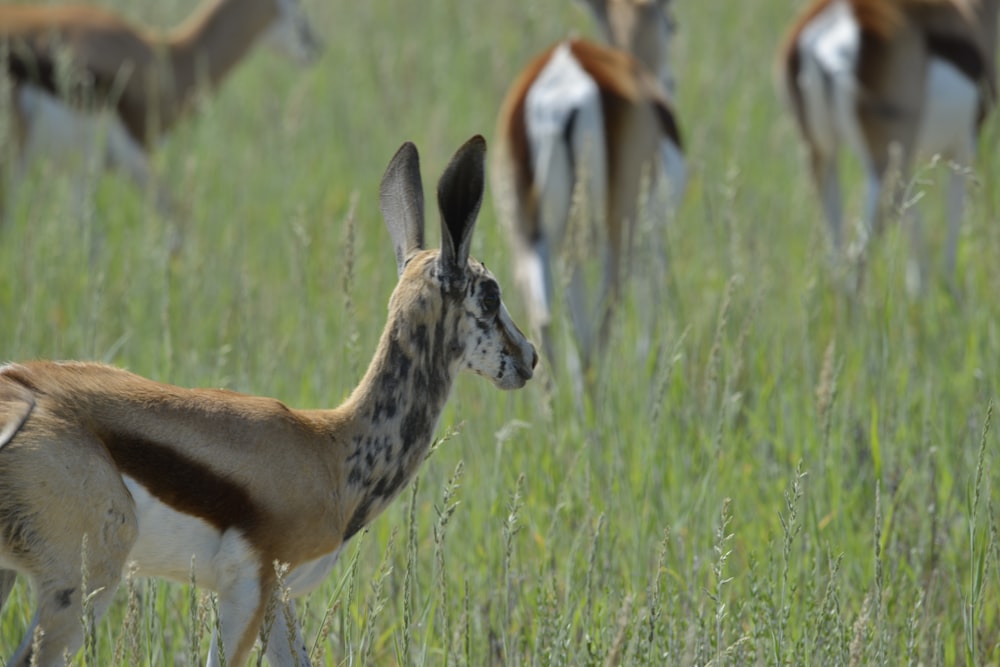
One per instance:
(495, 347)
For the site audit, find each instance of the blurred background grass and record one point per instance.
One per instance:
(755, 378)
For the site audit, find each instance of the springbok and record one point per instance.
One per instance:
(68, 63)
(228, 484)
(585, 117)
(894, 80)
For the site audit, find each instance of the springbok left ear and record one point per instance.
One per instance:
(460, 194)
(401, 199)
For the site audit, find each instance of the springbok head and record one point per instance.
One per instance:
(292, 35)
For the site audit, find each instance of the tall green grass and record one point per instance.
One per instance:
(771, 471)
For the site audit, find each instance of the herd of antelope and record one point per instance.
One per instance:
(181, 482)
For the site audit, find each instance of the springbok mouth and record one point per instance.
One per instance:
(517, 378)
(524, 371)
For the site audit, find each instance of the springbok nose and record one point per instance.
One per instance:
(534, 357)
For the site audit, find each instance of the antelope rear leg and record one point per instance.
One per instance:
(56, 494)
(285, 644)
(827, 179)
(60, 605)
(59, 592)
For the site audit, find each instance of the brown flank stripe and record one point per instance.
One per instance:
(185, 485)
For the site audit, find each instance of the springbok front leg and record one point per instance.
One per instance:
(244, 587)
(285, 643)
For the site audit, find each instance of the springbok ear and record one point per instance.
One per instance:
(401, 199)
(16, 405)
(460, 193)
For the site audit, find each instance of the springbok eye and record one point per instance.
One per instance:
(491, 301)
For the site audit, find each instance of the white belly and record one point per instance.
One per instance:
(171, 542)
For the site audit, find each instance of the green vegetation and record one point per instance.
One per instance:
(771, 471)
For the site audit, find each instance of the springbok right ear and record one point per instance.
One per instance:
(401, 199)
(460, 194)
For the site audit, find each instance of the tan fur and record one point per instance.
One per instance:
(294, 484)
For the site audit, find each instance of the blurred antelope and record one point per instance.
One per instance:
(595, 119)
(88, 83)
(158, 475)
(889, 78)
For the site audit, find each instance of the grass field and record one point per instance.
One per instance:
(772, 471)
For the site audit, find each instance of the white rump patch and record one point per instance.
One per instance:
(563, 92)
(830, 46)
